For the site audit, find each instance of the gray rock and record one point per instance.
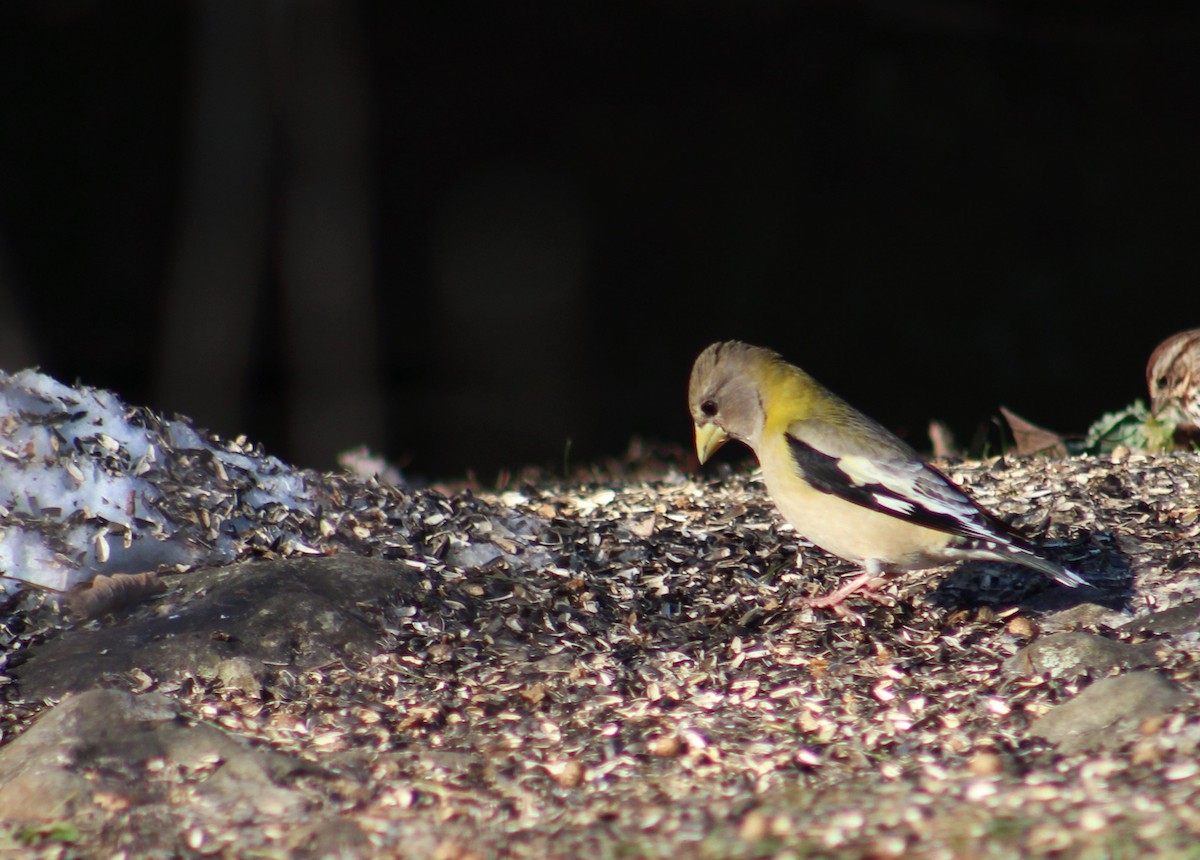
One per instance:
(109, 744)
(1109, 712)
(296, 612)
(335, 839)
(1171, 622)
(1089, 614)
(242, 673)
(1069, 654)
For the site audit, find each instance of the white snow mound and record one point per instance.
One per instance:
(89, 485)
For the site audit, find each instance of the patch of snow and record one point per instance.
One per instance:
(89, 485)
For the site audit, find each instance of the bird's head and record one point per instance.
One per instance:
(1173, 376)
(724, 395)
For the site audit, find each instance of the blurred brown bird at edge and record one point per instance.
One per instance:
(1173, 376)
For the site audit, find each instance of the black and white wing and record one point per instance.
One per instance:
(893, 480)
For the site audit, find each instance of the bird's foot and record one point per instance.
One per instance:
(867, 584)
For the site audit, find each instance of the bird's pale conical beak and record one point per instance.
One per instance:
(709, 437)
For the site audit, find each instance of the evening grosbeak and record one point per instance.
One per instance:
(842, 480)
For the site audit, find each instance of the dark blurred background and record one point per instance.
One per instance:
(465, 234)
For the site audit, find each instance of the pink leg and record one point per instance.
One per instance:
(835, 598)
(867, 583)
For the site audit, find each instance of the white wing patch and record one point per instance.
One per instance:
(910, 485)
(862, 471)
(900, 506)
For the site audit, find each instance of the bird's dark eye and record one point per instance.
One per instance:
(709, 408)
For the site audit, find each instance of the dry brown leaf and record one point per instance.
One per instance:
(1031, 439)
(106, 594)
(644, 527)
(941, 439)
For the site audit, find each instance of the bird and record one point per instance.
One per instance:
(842, 480)
(1173, 377)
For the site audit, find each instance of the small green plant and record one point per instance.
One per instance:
(1135, 426)
(50, 831)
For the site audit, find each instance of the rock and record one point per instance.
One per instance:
(111, 749)
(242, 673)
(42, 773)
(1171, 622)
(1058, 618)
(1107, 713)
(1066, 654)
(298, 613)
(336, 839)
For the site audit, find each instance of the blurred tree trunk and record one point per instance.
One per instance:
(325, 255)
(218, 264)
(512, 250)
(16, 344)
(279, 107)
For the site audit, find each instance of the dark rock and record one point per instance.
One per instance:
(1066, 654)
(298, 613)
(1109, 712)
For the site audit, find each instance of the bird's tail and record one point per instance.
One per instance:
(1029, 558)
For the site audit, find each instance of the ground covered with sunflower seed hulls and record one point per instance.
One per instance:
(616, 669)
